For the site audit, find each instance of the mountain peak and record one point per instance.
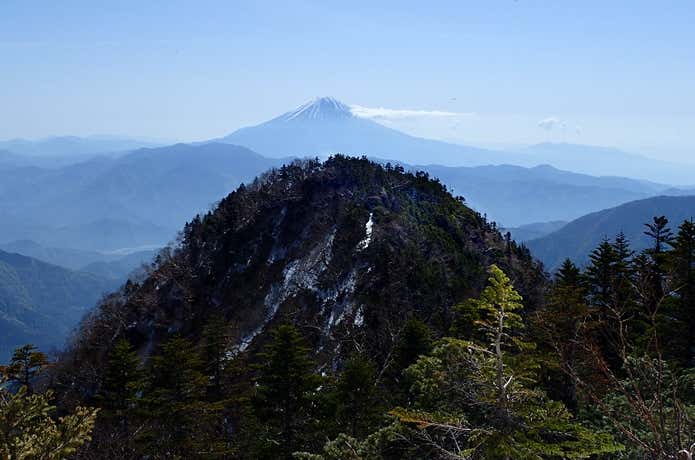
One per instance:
(321, 108)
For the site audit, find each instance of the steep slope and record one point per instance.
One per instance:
(346, 249)
(579, 237)
(325, 126)
(41, 303)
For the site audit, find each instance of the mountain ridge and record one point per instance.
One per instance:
(41, 302)
(316, 244)
(578, 238)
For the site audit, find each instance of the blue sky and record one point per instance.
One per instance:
(619, 73)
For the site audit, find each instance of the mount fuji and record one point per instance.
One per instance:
(325, 126)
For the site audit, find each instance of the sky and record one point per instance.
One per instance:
(494, 73)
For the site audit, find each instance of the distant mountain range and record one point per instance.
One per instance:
(41, 303)
(139, 199)
(106, 265)
(535, 230)
(605, 161)
(578, 238)
(61, 146)
(143, 197)
(513, 195)
(326, 125)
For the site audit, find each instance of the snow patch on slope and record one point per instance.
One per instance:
(368, 228)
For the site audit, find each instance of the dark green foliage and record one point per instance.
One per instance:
(660, 234)
(683, 266)
(286, 387)
(558, 328)
(624, 344)
(358, 406)
(181, 423)
(123, 382)
(218, 340)
(414, 341)
(477, 400)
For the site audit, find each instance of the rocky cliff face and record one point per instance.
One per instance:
(345, 249)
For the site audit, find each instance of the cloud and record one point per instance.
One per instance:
(551, 123)
(382, 113)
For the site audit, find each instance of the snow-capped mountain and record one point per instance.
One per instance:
(325, 126)
(322, 108)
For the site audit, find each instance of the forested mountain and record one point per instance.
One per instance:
(578, 238)
(344, 309)
(347, 251)
(316, 242)
(41, 303)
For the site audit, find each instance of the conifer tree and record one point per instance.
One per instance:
(357, 408)
(478, 401)
(660, 233)
(661, 236)
(218, 340)
(123, 382)
(182, 423)
(26, 362)
(683, 261)
(607, 296)
(600, 276)
(414, 341)
(286, 387)
(560, 325)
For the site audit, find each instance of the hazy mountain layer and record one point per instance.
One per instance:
(535, 230)
(41, 303)
(604, 161)
(578, 238)
(139, 199)
(107, 265)
(513, 195)
(325, 126)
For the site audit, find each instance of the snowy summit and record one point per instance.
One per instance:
(321, 108)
